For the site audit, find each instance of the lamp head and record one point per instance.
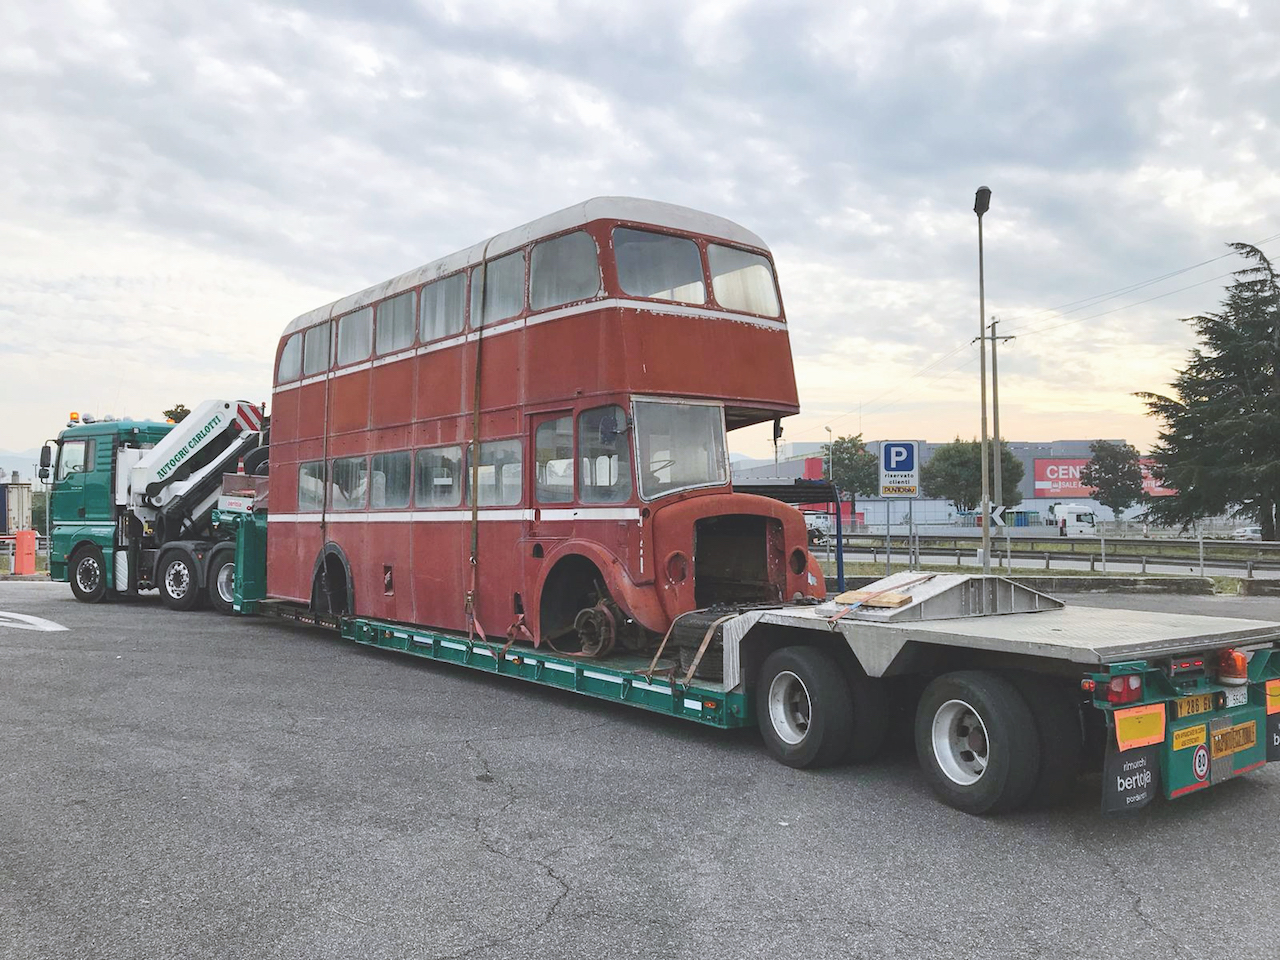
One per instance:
(982, 200)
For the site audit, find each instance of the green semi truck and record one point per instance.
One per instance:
(1009, 694)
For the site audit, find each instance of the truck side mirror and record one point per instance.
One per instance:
(46, 459)
(44, 473)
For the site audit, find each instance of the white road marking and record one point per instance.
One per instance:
(24, 622)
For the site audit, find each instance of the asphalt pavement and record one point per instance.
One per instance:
(191, 785)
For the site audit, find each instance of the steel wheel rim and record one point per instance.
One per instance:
(790, 710)
(177, 579)
(88, 574)
(960, 743)
(226, 582)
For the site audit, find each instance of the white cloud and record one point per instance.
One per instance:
(188, 178)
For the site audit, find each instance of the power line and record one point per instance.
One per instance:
(1059, 311)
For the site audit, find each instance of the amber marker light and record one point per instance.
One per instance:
(1233, 667)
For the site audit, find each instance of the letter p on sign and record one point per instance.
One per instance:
(899, 457)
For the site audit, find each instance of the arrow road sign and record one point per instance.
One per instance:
(996, 517)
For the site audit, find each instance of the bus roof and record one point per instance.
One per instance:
(631, 209)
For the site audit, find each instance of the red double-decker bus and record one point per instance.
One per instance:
(528, 437)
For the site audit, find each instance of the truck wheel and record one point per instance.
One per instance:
(88, 574)
(976, 742)
(222, 573)
(1059, 734)
(179, 584)
(803, 707)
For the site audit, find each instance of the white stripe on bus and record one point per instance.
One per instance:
(444, 516)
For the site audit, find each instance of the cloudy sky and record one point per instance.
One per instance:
(179, 180)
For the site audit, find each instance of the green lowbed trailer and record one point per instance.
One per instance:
(1010, 694)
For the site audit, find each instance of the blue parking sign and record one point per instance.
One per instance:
(899, 468)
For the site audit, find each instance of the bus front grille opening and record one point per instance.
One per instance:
(738, 558)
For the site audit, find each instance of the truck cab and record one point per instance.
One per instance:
(82, 505)
(132, 501)
(1073, 520)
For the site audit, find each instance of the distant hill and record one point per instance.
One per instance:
(23, 461)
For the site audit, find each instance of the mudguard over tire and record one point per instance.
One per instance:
(803, 707)
(179, 581)
(976, 742)
(88, 572)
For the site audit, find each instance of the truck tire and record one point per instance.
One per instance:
(179, 582)
(255, 462)
(88, 574)
(222, 571)
(803, 707)
(872, 713)
(1059, 734)
(976, 742)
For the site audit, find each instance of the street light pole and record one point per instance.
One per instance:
(831, 471)
(981, 203)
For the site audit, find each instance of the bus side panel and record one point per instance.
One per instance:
(440, 574)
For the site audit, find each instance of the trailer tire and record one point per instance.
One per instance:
(1060, 737)
(222, 571)
(179, 582)
(803, 707)
(88, 574)
(872, 712)
(976, 742)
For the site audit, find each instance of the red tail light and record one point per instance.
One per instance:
(1233, 667)
(1123, 689)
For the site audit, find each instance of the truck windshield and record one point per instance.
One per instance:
(679, 445)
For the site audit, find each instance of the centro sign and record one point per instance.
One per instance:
(900, 468)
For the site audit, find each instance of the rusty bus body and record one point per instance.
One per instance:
(600, 366)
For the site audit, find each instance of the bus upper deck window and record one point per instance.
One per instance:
(442, 307)
(290, 367)
(742, 280)
(500, 284)
(658, 266)
(563, 270)
(315, 350)
(355, 336)
(396, 323)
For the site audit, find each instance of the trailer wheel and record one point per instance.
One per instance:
(222, 574)
(872, 713)
(179, 583)
(1059, 734)
(88, 574)
(976, 742)
(803, 707)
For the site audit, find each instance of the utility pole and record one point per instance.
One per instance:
(995, 424)
(981, 203)
(995, 411)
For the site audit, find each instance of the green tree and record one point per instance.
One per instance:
(178, 413)
(856, 470)
(1219, 446)
(954, 473)
(1115, 474)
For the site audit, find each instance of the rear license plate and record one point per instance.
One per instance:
(1236, 697)
(1234, 739)
(1190, 706)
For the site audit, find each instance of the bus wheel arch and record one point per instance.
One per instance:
(332, 587)
(572, 584)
